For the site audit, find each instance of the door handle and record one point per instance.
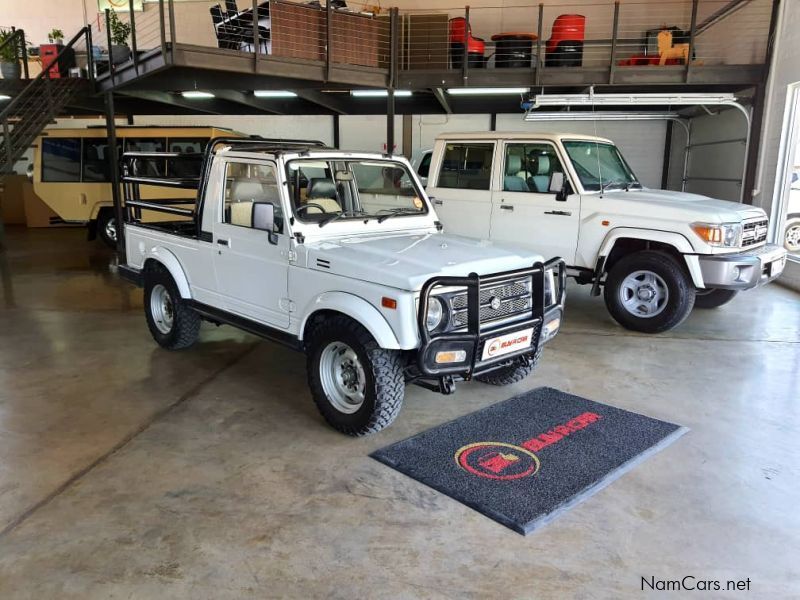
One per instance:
(438, 202)
(222, 242)
(563, 213)
(507, 206)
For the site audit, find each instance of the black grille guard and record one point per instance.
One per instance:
(475, 333)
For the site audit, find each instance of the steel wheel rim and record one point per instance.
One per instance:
(111, 229)
(644, 294)
(343, 378)
(793, 238)
(162, 309)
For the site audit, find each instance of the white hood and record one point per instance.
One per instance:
(406, 261)
(692, 207)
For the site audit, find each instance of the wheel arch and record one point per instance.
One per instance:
(355, 308)
(171, 263)
(624, 241)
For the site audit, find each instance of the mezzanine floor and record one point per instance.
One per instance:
(130, 472)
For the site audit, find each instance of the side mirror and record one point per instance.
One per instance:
(559, 186)
(264, 219)
(264, 216)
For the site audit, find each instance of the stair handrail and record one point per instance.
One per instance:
(18, 37)
(45, 74)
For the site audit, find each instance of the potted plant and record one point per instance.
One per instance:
(120, 52)
(9, 56)
(56, 36)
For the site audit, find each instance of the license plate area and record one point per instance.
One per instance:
(508, 343)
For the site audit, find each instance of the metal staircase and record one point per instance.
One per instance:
(32, 109)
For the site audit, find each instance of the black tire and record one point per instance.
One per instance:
(184, 328)
(382, 369)
(510, 374)
(679, 298)
(105, 222)
(791, 235)
(713, 298)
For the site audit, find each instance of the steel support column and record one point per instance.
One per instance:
(111, 132)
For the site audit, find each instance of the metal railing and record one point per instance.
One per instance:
(611, 35)
(24, 117)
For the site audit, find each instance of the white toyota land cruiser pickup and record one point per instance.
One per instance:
(656, 253)
(340, 255)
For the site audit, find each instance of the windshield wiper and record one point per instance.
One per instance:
(341, 215)
(608, 184)
(393, 212)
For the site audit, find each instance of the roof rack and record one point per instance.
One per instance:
(261, 144)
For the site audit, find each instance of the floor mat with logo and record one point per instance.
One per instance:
(525, 460)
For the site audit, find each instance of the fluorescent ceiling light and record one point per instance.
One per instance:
(274, 94)
(692, 99)
(196, 95)
(3, 97)
(485, 91)
(599, 116)
(379, 93)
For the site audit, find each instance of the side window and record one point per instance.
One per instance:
(96, 165)
(466, 166)
(424, 165)
(185, 168)
(247, 184)
(61, 159)
(152, 168)
(528, 167)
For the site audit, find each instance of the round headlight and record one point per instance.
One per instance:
(435, 313)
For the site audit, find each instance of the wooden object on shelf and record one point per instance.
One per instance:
(667, 50)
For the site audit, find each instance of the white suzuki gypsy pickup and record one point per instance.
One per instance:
(656, 253)
(340, 255)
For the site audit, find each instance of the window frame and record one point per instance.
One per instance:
(493, 153)
(223, 189)
(46, 139)
(531, 142)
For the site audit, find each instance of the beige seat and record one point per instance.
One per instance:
(242, 213)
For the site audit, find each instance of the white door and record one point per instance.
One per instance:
(524, 211)
(252, 266)
(461, 188)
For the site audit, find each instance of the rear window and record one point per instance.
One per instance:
(466, 166)
(61, 159)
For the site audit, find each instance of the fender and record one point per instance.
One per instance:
(98, 206)
(173, 265)
(358, 309)
(670, 238)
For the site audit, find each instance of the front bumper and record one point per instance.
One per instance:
(743, 270)
(473, 339)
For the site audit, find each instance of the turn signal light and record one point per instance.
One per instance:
(451, 356)
(710, 233)
(389, 303)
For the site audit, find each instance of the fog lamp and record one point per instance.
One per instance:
(451, 356)
(550, 329)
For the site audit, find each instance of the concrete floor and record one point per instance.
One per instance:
(130, 472)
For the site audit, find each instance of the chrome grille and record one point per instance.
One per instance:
(514, 299)
(754, 232)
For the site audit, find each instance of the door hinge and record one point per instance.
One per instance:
(292, 256)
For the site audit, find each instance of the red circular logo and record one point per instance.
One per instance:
(497, 460)
(493, 348)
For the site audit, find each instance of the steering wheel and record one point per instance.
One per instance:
(307, 205)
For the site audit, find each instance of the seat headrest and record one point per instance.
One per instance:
(321, 187)
(248, 190)
(543, 165)
(513, 164)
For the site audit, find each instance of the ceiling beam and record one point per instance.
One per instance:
(200, 106)
(323, 100)
(238, 97)
(438, 93)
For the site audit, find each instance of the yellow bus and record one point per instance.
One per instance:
(71, 169)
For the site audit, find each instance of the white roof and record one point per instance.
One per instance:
(519, 135)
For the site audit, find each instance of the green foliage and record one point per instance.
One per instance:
(8, 53)
(119, 29)
(55, 34)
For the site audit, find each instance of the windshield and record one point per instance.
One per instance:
(323, 191)
(600, 166)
